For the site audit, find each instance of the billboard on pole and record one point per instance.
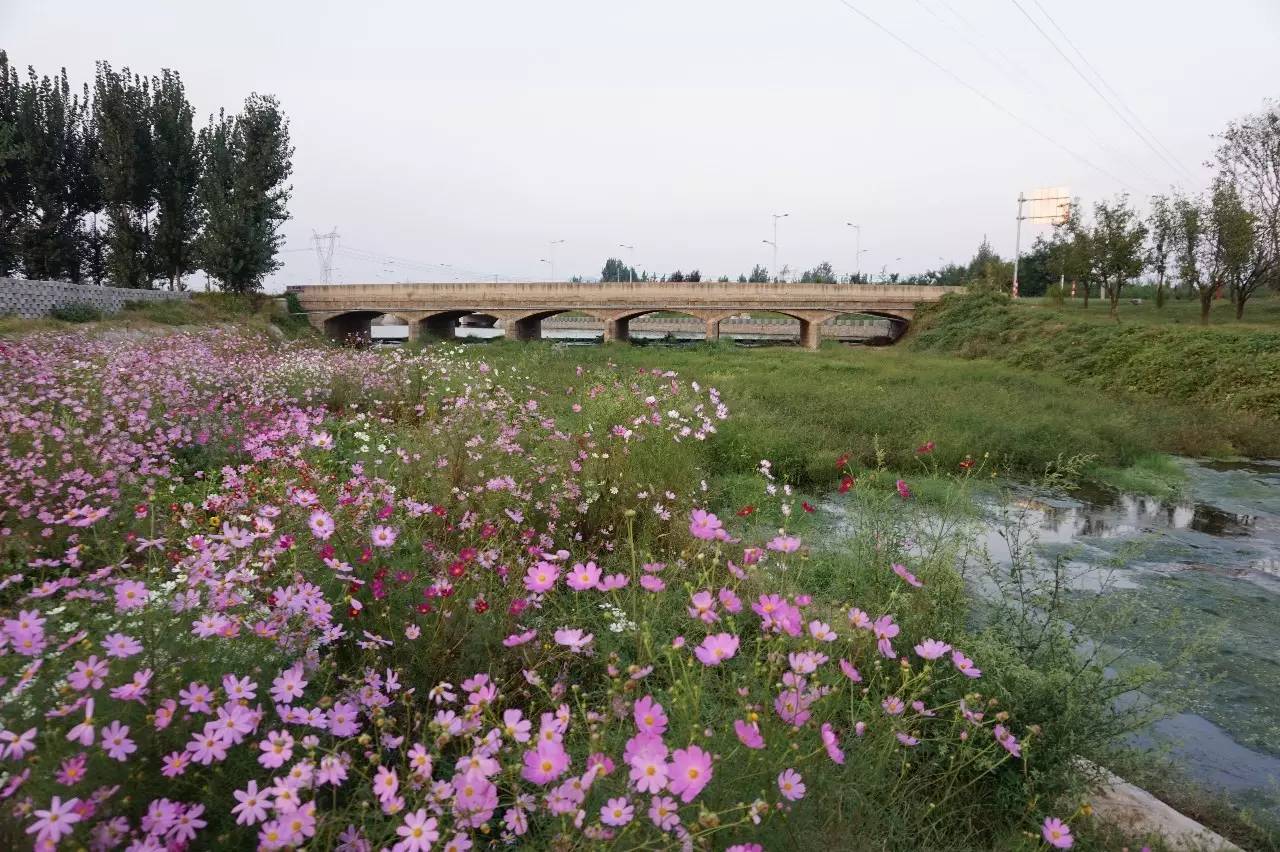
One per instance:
(1051, 205)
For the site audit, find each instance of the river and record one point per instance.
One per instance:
(1212, 557)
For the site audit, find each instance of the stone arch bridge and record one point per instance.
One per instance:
(345, 311)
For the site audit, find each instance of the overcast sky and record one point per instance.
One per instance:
(475, 133)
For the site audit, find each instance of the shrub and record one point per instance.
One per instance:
(76, 312)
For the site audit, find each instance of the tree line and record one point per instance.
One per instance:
(114, 184)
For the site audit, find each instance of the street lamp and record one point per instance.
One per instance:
(858, 255)
(776, 217)
(630, 268)
(553, 266)
(552, 252)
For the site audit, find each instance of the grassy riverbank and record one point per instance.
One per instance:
(881, 405)
(1228, 370)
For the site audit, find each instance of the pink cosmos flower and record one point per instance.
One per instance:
(419, 832)
(850, 672)
(706, 526)
(383, 536)
(116, 742)
(690, 772)
(901, 571)
(903, 491)
(121, 646)
(664, 812)
(650, 716)
(519, 638)
(730, 601)
(744, 847)
(784, 544)
(574, 639)
(716, 649)
(832, 744)
(652, 583)
(791, 785)
(1055, 832)
(703, 607)
(583, 577)
(541, 576)
(83, 733)
(17, 745)
(322, 525)
(386, 784)
(965, 665)
(288, 686)
(253, 804)
(821, 631)
(893, 705)
(55, 822)
(131, 594)
(277, 748)
(748, 734)
(546, 763)
(617, 811)
(647, 757)
(885, 629)
(932, 649)
(1006, 738)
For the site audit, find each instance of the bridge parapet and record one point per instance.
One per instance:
(343, 309)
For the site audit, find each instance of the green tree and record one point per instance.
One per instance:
(1248, 160)
(177, 177)
(1035, 270)
(15, 189)
(615, 270)
(759, 275)
(125, 167)
(51, 171)
(1198, 252)
(245, 194)
(1162, 228)
(1116, 242)
(988, 271)
(1072, 251)
(823, 273)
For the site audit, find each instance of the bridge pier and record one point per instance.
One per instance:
(618, 330)
(437, 326)
(810, 333)
(713, 330)
(529, 328)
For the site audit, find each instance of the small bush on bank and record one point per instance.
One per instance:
(76, 312)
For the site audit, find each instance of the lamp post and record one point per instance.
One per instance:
(776, 217)
(630, 268)
(553, 266)
(552, 251)
(858, 255)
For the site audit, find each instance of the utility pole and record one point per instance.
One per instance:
(776, 217)
(1017, 245)
(552, 255)
(858, 258)
(324, 253)
(631, 268)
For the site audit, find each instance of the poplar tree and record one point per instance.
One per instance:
(125, 166)
(245, 193)
(177, 175)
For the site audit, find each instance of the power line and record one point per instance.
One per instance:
(1096, 90)
(992, 101)
(1105, 85)
(1015, 72)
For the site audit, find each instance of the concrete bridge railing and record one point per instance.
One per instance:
(346, 310)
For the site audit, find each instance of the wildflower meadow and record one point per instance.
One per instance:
(276, 595)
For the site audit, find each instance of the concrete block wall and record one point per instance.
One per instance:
(24, 298)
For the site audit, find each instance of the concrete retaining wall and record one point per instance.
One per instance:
(20, 297)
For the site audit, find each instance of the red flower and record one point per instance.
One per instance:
(481, 606)
(842, 461)
(926, 447)
(746, 510)
(966, 464)
(804, 504)
(846, 484)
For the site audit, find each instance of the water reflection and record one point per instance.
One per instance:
(1213, 556)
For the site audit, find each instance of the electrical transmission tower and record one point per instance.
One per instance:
(325, 244)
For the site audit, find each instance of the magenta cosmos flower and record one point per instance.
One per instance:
(706, 526)
(584, 577)
(690, 772)
(716, 649)
(791, 785)
(932, 649)
(1057, 833)
(650, 716)
(748, 734)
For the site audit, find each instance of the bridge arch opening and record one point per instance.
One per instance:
(869, 328)
(661, 323)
